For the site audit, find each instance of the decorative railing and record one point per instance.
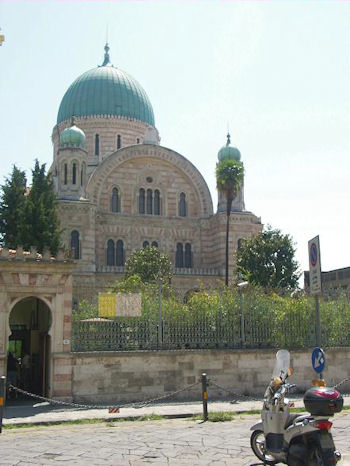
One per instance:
(254, 330)
(177, 270)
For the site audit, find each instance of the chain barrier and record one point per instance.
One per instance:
(341, 382)
(136, 405)
(235, 394)
(162, 397)
(142, 404)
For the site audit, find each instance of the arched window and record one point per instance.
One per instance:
(120, 253)
(82, 173)
(239, 243)
(74, 174)
(65, 173)
(97, 144)
(179, 257)
(156, 202)
(138, 141)
(141, 201)
(182, 205)
(145, 244)
(115, 200)
(149, 201)
(154, 244)
(119, 141)
(110, 252)
(75, 244)
(188, 256)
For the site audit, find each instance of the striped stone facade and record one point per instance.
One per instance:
(87, 209)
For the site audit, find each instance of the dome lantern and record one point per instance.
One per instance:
(229, 152)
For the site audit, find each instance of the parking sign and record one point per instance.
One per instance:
(315, 266)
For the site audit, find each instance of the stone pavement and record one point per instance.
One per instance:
(167, 442)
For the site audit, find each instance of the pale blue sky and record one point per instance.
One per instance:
(277, 72)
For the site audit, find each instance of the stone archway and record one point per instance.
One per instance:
(29, 341)
(36, 311)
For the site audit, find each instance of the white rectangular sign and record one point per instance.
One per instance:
(315, 266)
(128, 305)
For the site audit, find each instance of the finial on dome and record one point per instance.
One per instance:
(228, 139)
(106, 60)
(72, 120)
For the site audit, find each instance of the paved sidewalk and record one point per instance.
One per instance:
(27, 412)
(176, 442)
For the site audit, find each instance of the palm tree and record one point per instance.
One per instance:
(229, 178)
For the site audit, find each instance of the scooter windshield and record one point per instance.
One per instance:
(282, 363)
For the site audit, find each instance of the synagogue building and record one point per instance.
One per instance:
(119, 189)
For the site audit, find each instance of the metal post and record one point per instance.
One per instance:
(205, 396)
(242, 317)
(318, 322)
(160, 324)
(2, 398)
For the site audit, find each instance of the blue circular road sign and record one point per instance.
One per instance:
(313, 254)
(318, 359)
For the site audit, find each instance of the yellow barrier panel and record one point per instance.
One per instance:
(107, 305)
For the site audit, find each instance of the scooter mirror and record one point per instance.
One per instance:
(282, 363)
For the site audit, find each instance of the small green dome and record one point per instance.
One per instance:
(72, 137)
(106, 90)
(228, 152)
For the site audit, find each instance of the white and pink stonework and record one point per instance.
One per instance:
(86, 207)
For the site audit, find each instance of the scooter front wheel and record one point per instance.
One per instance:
(257, 443)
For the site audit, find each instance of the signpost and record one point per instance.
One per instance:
(318, 359)
(315, 276)
(315, 266)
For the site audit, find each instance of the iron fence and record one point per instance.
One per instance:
(220, 331)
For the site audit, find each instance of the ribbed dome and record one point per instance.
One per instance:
(72, 137)
(229, 152)
(106, 90)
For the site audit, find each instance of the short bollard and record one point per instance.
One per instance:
(205, 396)
(2, 398)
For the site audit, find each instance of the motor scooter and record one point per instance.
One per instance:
(295, 439)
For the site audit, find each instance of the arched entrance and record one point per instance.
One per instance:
(30, 321)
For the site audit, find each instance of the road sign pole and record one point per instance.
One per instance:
(2, 398)
(318, 321)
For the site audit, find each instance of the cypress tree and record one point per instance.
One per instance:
(12, 205)
(40, 227)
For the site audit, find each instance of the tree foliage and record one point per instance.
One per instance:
(268, 260)
(29, 220)
(149, 263)
(12, 206)
(229, 178)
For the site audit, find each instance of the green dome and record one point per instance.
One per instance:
(228, 152)
(106, 90)
(72, 137)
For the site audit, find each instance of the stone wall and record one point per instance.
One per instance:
(132, 376)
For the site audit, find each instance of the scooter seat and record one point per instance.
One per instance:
(291, 418)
